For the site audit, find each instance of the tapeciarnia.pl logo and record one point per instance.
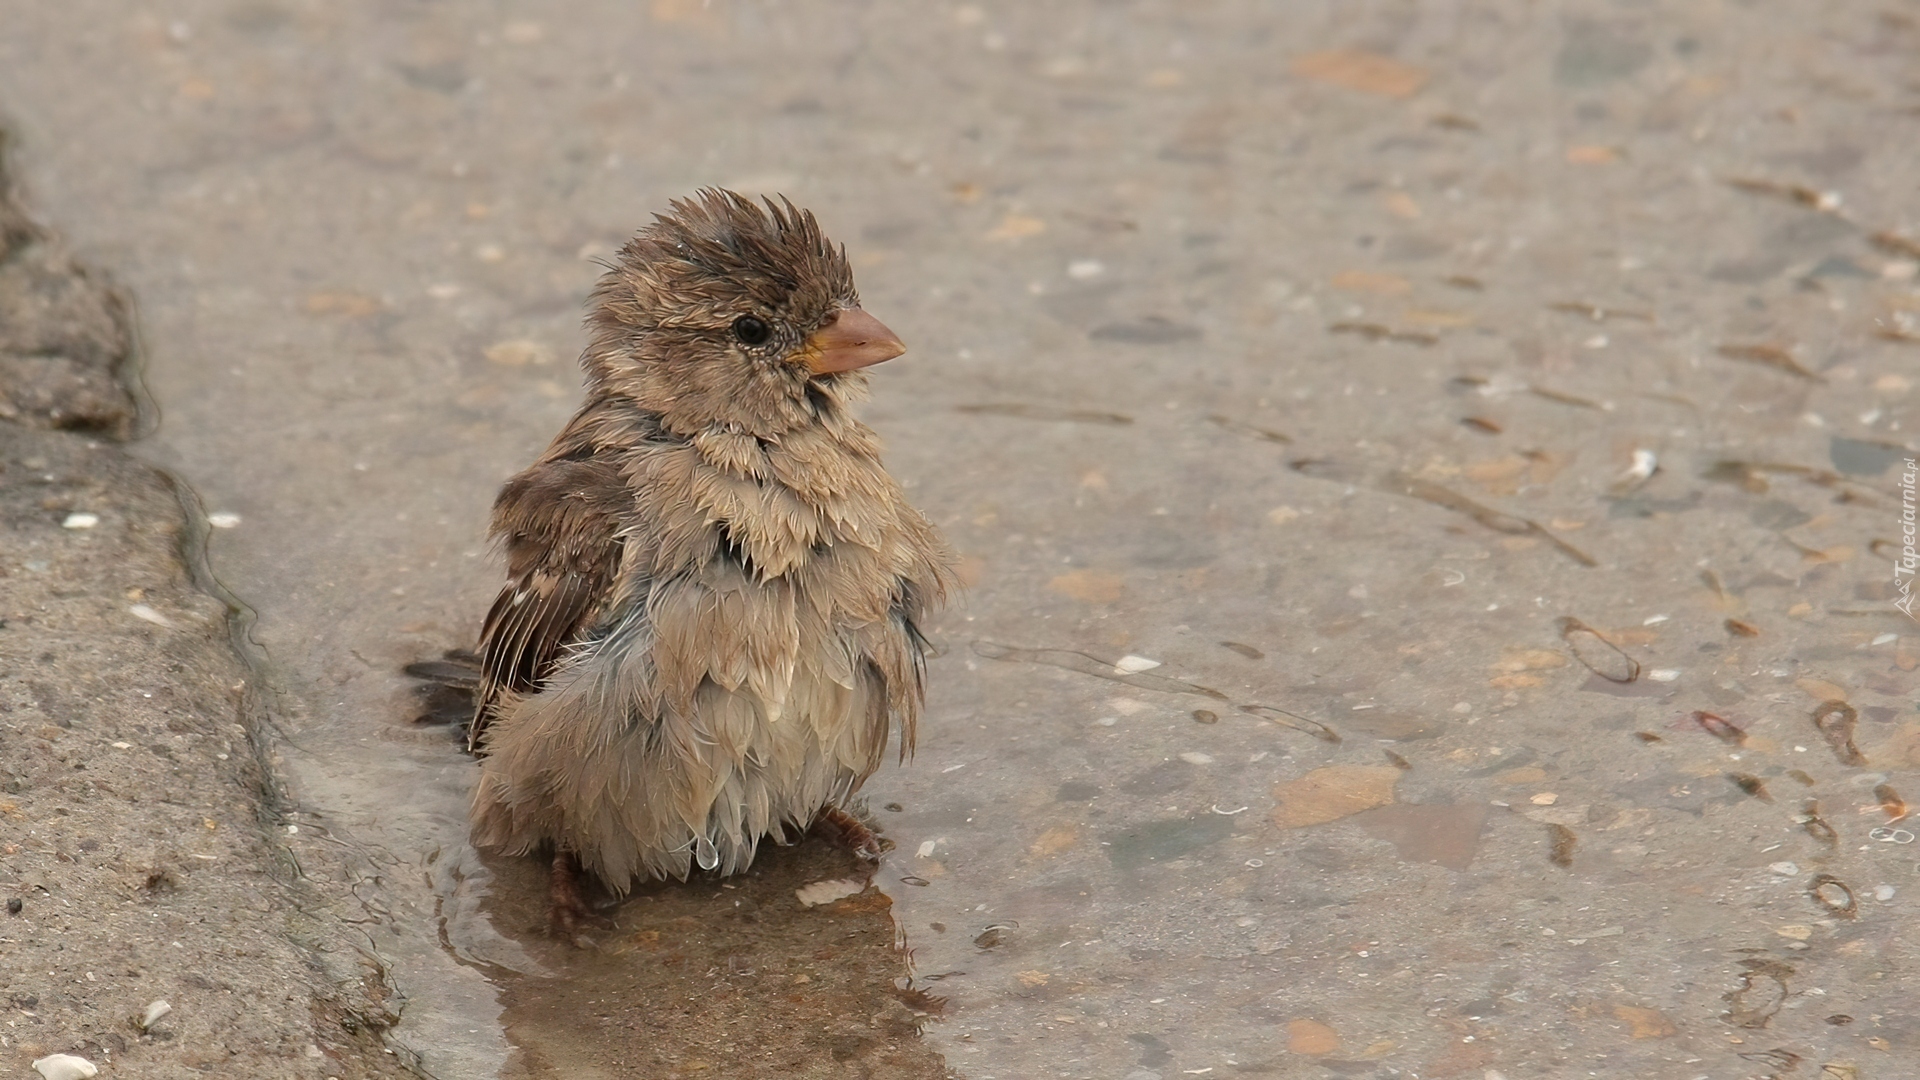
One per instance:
(1904, 566)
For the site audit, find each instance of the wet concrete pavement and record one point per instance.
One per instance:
(1328, 362)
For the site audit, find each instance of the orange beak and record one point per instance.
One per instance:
(854, 339)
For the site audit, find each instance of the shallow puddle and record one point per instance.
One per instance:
(718, 977)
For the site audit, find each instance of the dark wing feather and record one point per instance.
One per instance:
(558, 523)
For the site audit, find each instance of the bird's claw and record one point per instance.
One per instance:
(853, 834)
(568, 913)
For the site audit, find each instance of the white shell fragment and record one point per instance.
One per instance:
(1134, 665)
(826, 892)
(1645, 463)
(65, 1067)
(80, 521)
(223, 519)
(152, 1014)
(142, 611)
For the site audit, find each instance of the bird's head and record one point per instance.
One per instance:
(728, 311)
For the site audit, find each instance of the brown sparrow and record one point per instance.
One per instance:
(710, 623)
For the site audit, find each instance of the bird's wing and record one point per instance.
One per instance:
(558, 523)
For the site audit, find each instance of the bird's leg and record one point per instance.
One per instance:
(851, 833)
(569, 911)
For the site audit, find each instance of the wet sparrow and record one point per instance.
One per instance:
(709, 627)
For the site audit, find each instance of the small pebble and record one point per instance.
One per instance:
(223, 519)
(152, 1014)
(926, 849)
(78, 521)
(1084, 269)
(1133, 665)
(142, 611)
(1545, 798)
(1886, 639)
(826, 892)
(65, 1067)
(1880, 892)
(15, 904)
(1784, 869)
(1663, 674)
(1195, 757)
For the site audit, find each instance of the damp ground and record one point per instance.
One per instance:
(1430, 480)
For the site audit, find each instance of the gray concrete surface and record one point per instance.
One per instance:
(1305, 351)
(151, 925)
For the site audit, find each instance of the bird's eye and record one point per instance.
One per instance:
(751, 331)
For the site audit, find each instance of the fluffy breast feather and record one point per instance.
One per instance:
(760, 645)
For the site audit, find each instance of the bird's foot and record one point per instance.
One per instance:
(851, 833)
(568, 911)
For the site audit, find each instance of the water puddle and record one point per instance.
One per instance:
(716, 977)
